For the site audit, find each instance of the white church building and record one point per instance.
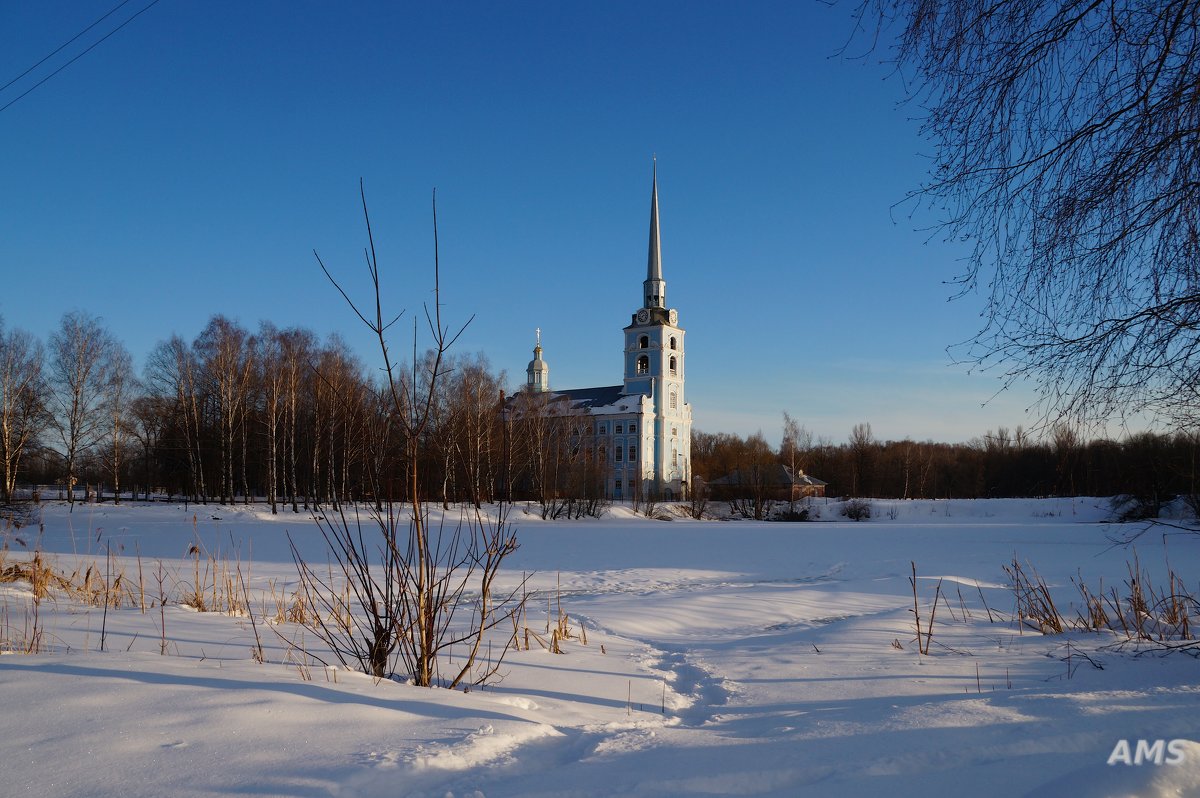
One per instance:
(642, 427)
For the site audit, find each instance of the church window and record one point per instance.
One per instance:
(632, 454)
(601, 429)
(618, 451)
(619, 428)
(672, 341)
(643, 342)
(674, 401)
(673, 369)
(603, 453)
(632, 427)
(643, 365)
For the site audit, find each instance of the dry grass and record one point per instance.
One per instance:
(293, 608)
(924, 636)
(218, 584)
(1034, 605)
(215, 584)
(557, 630)
(1146, 613)
(1140, 611)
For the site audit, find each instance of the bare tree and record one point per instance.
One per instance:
(269, 356)
(478, 391)
(226, 358)
(297, 351)
(337, 390)
(863, 448)
(150, 415)
(1067, 155)
(119, 423)
(81, 362)
(797, 440)
(22, 401)
(172, 376)
(418, 593)
(793, 449)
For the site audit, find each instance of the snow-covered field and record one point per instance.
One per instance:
(722, 658)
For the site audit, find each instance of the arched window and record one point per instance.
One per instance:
(672, 341)
(633, 454)
(673, 369)
(674, 401)
(643, 365)
(644, 342)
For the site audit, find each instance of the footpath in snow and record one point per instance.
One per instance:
(722, 658)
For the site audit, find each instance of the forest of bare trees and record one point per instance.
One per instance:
(1151, 466)
(278, 416)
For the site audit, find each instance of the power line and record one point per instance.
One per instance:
(77, 57)
(64, 46)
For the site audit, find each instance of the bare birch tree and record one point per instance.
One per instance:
(23, 414)
(118, 424)
(269, 356)
(226, 360)
(172, 375)
(81, 362)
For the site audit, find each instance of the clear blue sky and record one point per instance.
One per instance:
(191, 163)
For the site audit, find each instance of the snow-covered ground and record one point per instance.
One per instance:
(722, 658)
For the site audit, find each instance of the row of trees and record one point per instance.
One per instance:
(277, 414)
(1003, 463)
(76, 394)
(236, 414)
(280, 415)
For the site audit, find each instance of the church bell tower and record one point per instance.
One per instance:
(655, 367)
(537, 373)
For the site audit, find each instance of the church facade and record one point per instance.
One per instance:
(641, 430)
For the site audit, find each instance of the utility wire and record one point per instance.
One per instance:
(64, 46)
(76, 58)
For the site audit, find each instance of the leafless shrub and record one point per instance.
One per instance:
(856, 509)
(697, 499)
(402, 589)
(396, 601)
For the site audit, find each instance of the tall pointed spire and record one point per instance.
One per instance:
(655, 287)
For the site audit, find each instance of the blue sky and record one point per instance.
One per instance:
(190, 164)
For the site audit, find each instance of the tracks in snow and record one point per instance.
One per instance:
(698, 692)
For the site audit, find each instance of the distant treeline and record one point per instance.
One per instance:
(277, 415)
(281, 416)
(1150, 466)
